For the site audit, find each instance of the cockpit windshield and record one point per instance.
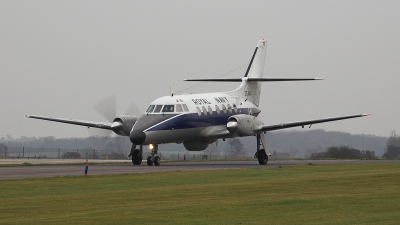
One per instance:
(158, 108)
(168, 108)
(150, 109)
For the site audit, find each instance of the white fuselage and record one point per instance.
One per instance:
(180, 118)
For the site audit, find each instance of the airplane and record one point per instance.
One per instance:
(197, 120)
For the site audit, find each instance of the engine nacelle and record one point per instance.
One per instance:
(243, 125)
(195, 145)
(122, 125)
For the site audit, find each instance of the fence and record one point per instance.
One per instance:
(28, 152)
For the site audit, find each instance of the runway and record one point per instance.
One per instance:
(20, 172)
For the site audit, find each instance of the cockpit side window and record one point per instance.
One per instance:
(168, 108)
(235, 108)
(158, 108)
(150, 109)
(179, 108)
(185, 108)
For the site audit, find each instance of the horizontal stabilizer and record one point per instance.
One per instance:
(307, 122)
(262, 79)
(100, 125)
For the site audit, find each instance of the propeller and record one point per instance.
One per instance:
(107, 139)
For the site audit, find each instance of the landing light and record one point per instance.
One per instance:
(151, 146)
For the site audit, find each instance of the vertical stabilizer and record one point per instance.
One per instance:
(251, 90)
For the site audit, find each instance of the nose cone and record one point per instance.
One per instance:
(232, 126)
(137, 137)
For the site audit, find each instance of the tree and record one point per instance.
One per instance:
(236, 148)
(393, 140)
(392, 152)
(344, 152)
(3, 149)
(392, 146)
(212, 151)
(72, 155)
(368, 154)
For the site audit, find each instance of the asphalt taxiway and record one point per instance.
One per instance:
(19, 172)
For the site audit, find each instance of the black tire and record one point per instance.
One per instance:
(262, 157)
(157, 161)
(149, 161)
(136, 157)
(256, 155)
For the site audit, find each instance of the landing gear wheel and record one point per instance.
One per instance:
(149, 161)
(157, 161)
(136, 157)
(262, 157)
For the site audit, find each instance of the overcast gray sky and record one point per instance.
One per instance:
(59, 58)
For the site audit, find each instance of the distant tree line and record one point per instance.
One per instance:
(344, 152)
(392, 151)
(302, 143)
(299, 144)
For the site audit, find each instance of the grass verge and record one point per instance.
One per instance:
(308, 194)
(167, 161)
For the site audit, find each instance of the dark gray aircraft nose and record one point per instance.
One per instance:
(137, 137)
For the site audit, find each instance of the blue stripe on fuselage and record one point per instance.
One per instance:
(193, 120)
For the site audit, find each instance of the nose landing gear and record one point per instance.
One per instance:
(153, 159)
(137, 155)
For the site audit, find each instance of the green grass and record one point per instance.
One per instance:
(60, 164)
(308, 194)
(166, 161)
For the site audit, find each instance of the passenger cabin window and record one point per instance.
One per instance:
(158, 108)
(217, 109)
(185, 108)
(224, 108)
(179, 108)
(150, 109)
(204, 110)
(234, 108)
(210, 110)
(198, 111)
(229, 108)
(168, 108)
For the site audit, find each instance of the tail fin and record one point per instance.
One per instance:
(252, 90)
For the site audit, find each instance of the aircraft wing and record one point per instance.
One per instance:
(219, 133)
(265, 79)
(307, 122)
(101, 125)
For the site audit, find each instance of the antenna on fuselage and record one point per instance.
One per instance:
(171, 92)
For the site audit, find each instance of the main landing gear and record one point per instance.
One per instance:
(153, 159)
(261, 154)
